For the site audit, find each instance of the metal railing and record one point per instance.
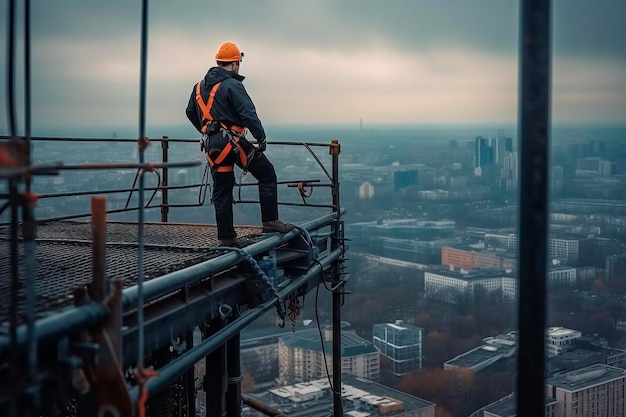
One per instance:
(39, 332)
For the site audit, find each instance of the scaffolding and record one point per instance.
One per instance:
(83, 346)
(80, 324)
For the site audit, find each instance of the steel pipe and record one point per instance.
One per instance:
(173, 281)
(173, 370)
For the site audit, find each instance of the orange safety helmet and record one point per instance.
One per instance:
(228, 52)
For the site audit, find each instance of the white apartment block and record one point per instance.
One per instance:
(562, 276)
(454, 287)
(598, 390)
(558, 248)
(508, 241)
(558, 338)
(564, 248)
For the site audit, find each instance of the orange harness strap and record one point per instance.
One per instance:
(206, 107)
(215, 163)
(206, 117)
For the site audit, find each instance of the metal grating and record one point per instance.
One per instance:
(63, 257)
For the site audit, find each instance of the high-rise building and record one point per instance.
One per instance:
(556, 181)
(483, 154)
(401, 343)
(510, 170)
(489, 151)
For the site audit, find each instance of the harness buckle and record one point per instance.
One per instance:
(204, 143)
(229, 136)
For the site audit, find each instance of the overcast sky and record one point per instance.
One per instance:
(317, 62)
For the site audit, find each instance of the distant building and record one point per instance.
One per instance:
(563, 248)
(467, 286)
(589, 206)
(585, 274)
(583, 352)
(483, 154)
(470, 258)
(427, 252)
(302, 357)
(366, 191)
(583, 381)
(504, 241)
(594, 251)
(616, 266)
(556, 180)
(559, 338)
(489, 151)
(620, 166)
(401, 229)
(401, 343)
(404, 179)
(597, 390)
(507, 407)
(360, 398)
(259, 353)
(510, 171)
(493, 350)
(562, 276)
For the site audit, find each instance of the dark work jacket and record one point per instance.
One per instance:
(231, 105)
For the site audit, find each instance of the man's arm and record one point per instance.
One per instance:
(192, 113)
(246, 111)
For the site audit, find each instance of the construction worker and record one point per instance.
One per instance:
(221, 109)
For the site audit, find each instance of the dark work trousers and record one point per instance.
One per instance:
(223, 183)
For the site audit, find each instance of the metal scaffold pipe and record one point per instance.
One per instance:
(534, 109)
(173, 370)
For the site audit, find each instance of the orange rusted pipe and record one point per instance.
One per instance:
(99, 285)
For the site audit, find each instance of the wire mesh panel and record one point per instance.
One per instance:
(63, 256)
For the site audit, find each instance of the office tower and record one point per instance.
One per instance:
(483, 154)
(401, 343)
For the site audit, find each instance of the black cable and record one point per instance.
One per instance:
(319, 330)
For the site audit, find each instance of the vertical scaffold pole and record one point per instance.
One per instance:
(335, 150)
(165, 144)
(534, 108)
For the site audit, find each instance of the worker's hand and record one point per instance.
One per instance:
(261, 146)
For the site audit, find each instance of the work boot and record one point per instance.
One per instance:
(277, 226)
(234, 242)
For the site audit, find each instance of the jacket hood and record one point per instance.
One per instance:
(219, 74)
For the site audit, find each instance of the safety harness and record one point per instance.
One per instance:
(234, 134)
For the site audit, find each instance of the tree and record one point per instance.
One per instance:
(441, 412)
(247, 384)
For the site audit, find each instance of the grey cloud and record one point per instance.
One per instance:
(583, 29)
(590, 28)
(580, 26)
